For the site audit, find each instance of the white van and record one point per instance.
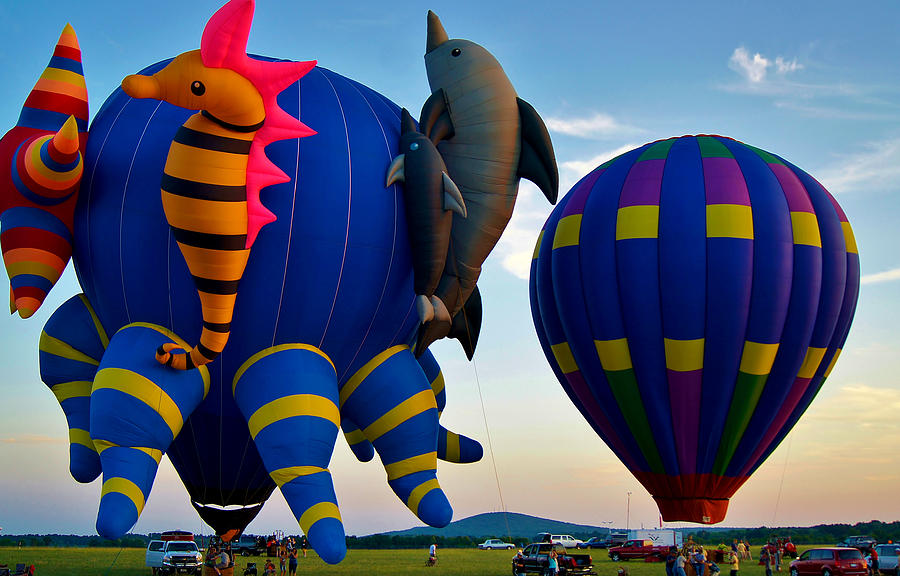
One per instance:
(566, 540)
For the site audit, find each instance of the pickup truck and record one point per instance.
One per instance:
(535, 559)
(166, 558)
(637, 549)
(248, 546)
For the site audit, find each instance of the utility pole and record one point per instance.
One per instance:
(627, 510)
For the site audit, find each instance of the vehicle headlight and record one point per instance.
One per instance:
(167, 561)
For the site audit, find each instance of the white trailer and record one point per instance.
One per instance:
(659, 536)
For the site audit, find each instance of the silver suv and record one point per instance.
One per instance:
(887, 558)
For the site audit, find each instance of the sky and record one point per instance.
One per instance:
(815, 82)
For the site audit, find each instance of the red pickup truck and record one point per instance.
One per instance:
(637, 549)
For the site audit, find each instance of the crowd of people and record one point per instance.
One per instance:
(694, 558)
(286, 552)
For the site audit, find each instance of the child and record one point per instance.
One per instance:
(270, 568)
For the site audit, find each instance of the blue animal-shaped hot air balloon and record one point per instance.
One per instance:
(247, 286)
(691, 296)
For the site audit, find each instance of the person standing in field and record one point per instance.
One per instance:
(680, 561)
(698, 561)
(553, 563)
(292, 561)
(735, 564)
(670, 560)
(304, 544)
(766, 557)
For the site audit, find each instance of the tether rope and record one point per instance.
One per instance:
(487, 429)
(783, 473)
(491, 450)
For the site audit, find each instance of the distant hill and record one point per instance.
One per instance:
(495, 524)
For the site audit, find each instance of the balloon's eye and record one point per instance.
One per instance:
(455, 52)
(414, 146)
(198, 88)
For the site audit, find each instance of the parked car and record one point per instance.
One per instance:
(495, 544)
(887, 558)
(534, 559)
(595, 542)
(838, 561)
(566, 540)
(861, 542)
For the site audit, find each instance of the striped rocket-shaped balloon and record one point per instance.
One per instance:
(41, 163)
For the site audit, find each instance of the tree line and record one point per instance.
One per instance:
(821, 534)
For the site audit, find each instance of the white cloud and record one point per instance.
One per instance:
(782, 66)
(752, 68)
(572, 171)
(516, 246)
(879, 277)
(598, 126)
(877, 166)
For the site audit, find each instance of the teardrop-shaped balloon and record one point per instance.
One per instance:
(692, 295)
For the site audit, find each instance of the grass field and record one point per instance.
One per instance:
(451, 562)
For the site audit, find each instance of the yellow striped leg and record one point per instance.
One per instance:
(138, 407)
(288, 394)
(452, 447)
(71, 347)
(391, 401)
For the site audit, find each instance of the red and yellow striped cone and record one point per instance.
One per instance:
(40, 172)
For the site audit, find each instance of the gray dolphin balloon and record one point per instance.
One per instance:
(489, 138)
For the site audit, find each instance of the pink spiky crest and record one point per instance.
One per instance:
(224, 45)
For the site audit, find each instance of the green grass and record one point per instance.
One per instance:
(451, 562)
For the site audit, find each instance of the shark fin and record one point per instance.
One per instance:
(396, 171)
(537, 162)
(434, 120)
(453, 199)
(466, 324)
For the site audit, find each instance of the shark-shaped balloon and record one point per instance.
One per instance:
(430, 197)
(489, 138)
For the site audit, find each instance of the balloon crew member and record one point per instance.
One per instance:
(698, 561)
(680, 561)
(222, 561)
(670, 560)
(211, 553)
